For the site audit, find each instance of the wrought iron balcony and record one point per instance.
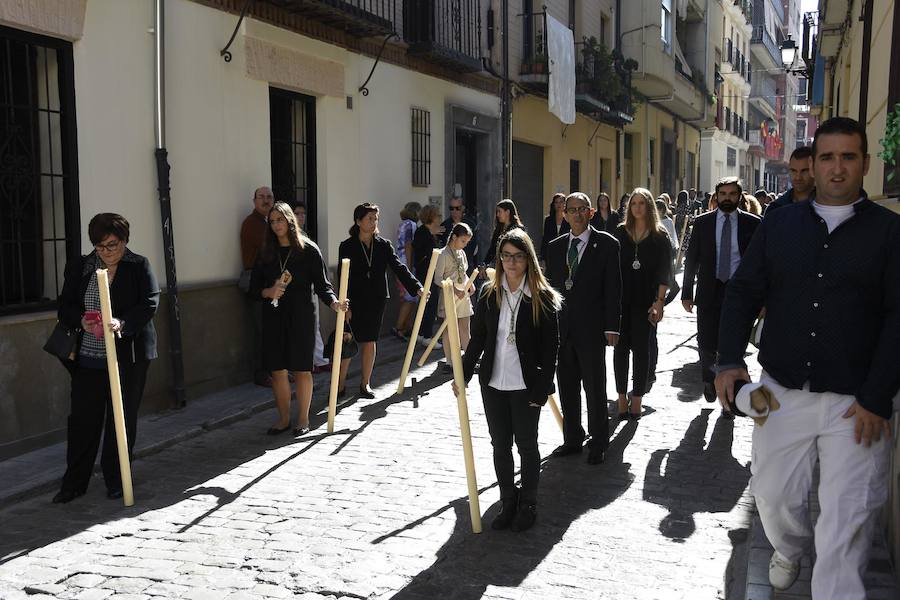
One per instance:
(361, 18)
(445, 31)
(761, 36)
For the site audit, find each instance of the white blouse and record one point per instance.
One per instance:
(507, 373)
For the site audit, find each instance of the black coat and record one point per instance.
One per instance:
(537, 345)
(594, 304)
(700, 261)
(609, 225)
(361, 288)
(135, 298)
(551, 234)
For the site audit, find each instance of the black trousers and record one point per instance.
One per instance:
(92, 417)
(635, 340)
(426, 329)
(577, 365)
(708, 317)
(509, 418)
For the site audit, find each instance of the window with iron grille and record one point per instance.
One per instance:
(292, 133)
(421, 147)
(39, 212)
(732, 157)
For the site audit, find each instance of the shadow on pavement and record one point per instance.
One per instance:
(467, 563)
(692, 479)
(686, 379)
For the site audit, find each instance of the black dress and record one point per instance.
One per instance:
(491, 255)
(609, 224)
(368, 285)
(639, 289)
(288, 330)
(551, 233)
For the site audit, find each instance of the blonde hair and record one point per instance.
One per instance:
(543, 296)
(652, 216)
(751, 204)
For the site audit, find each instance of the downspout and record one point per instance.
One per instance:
(506, 108)
(165, 203)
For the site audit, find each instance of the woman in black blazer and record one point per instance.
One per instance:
(506, 218)
(515, 333)
(135, 297)
(646, 264)
(605, 219)
(555, 223)
(370, 256)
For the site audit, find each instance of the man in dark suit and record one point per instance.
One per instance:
(583, 265)
(718, 241)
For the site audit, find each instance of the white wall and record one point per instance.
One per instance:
(218, 132)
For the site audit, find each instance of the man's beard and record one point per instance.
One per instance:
(727, 206)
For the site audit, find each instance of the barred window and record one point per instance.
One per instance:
(421, 147)
(39, 212)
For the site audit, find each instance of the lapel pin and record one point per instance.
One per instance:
(595, 244)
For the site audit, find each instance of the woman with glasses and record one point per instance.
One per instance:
(506, 218)
(555, 223)
(515, 333)
(135, 297)
(290, 267)
(646, 263)
(370, 257)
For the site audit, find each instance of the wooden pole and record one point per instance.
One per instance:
(554, 408)
(338, 345)
(437, 336)
(407, 362)
(459, 379)
(115, 387)
(682, 247)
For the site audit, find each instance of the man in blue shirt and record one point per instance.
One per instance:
(828, 272)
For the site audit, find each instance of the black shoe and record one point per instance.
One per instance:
(596, 457)
(709, 392)
(565, 450)
(727, 415)
(525, 517)
(276, 430)
(366, 392)
(634, 416)
(114, 494)
(66, 496)
(507, 512)
(298, 431)
(342, 392)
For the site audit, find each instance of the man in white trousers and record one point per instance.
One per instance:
(827, 270)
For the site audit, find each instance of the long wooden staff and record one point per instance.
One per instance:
(338, 344)
(459, 379)
(115, 387)
(554, 408)
(684, 242)
(407, 362)
(437, 336)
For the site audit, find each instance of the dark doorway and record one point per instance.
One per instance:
(528, 187)
(292, 126)
(466, 166)
(668, 159)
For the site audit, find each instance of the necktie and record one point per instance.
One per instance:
(723, 273)
(572, 257)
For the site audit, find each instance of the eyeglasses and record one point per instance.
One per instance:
(571, 210)
(110, 247)
(517, 257)
(456, 208)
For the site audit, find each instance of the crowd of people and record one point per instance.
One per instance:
(820, 279)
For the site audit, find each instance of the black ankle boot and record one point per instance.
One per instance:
(525, 517)
(507, 513)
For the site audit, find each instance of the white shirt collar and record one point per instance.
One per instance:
(522, 286)
(584, 237)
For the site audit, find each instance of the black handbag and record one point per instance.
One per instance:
(63, 342)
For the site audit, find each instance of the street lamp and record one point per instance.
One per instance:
(788, 53)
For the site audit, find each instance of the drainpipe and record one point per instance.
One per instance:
(165, 202)
(505, 105)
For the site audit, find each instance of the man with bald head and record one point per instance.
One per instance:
(583, 265)
(253, 233)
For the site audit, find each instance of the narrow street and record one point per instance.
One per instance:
(379, 509)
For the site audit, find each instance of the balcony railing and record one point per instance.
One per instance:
(761, 36)
(445, 31)
(763, 90)
(361, 18)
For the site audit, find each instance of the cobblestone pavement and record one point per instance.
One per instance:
(379, 508)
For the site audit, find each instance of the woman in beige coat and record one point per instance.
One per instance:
(452, 264)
